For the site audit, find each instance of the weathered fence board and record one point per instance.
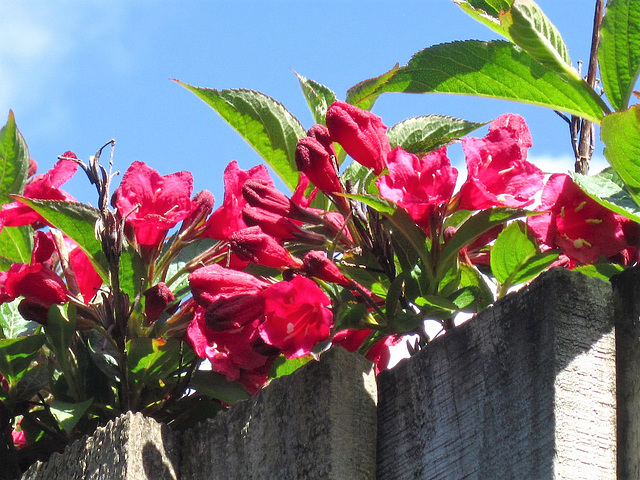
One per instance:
(525, 390)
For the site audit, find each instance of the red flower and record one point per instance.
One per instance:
(88, 280)
(151, 203)
(316, 158)
(231, 353)
(41, 187)
(296, 316)
(498, 172)
(582, 228)
(213, 282)
(316, 264)
(361, 133)
(228, 218)
(157, 299)
(419, 185)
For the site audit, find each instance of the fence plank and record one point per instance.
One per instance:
(525, 390)
(319, 423)
(131, 447)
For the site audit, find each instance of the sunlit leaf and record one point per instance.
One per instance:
(263, 122)
(12, 325)
(364, 94)
(608, 190)
(16, 244)
(216, 386)
(487, 12)
(424, 134)
(619, 51)
(283, 366)
(318, 97)
(603, 271)
(14, 160)
(495, 69)
(16, 355)
(69, 414)
(620, 133)
(152, 359)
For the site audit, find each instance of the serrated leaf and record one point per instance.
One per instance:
(77, 221)
(608, 190)
(216, 386)
(420, 135)
(263, 122)
(14, 160)
(69, 414)
(495, 69)
(364, 94)
(487, 12)
(12, 325)
(531, 30)
(318, 97)
(619, 51)
(16, 244)
(16, 355)
(620, 133)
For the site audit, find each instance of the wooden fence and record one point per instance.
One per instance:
(543, 385)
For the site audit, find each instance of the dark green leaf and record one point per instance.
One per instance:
(176, 278)
(17, 354)
(318, 97)
(104, 353)
(531, 30)
(69, 414)
(16, 244)
(494, 69)
(215, 385)
(34, 380)
(424, 134)
(604, 271)
(619, 51)
(364, 94)
(132, 272)
(263, 122)
(12, 325)
(14, 160)
(61, 329)
(77, 221)
(620, 133)
(608, 190)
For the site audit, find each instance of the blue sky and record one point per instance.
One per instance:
(78, 73)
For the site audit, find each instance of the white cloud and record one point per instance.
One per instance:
(565, 163)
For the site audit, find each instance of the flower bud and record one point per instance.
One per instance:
(316, 264)
(253, 245)
(361, 133)
(157, 299)
(279, 227)
(318, 164)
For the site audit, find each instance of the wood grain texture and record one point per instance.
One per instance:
(319, 423)
(131, 447)
(526, 390)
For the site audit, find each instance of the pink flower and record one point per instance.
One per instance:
(151, 203)
(41, 187)
(582, 228)
(361, 133)
(227, 218)
(498, 172)
(419, 185)
(296, 316)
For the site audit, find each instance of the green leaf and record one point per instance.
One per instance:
(14, 160)
(69, 414)
(476, 225)
(16, 355)
(619, 51)
(608, 190)
(376, 202)
(364, 94)
(77, 221)
(132, 272)
(61, 329)
(283, 366)
(471, 279)
(318, 97)
(531, 30)
(495, 69)
(620, 133)
(177, 278)
(152, 359)
(215, 385)
(420, 135)
(35, 379)
(511, 250)
(487, 12)
(12, 325)
(603, 271)
(263, 122)
(16, 244)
